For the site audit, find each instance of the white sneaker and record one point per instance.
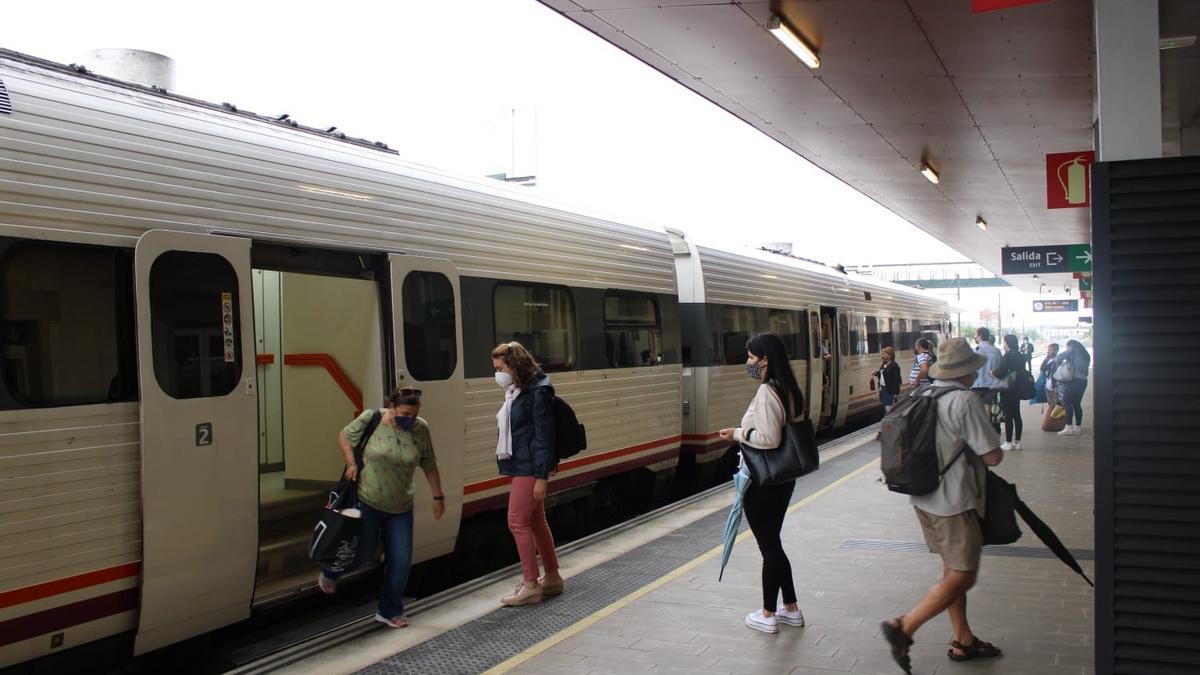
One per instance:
(1006, 446)
(1077, 430)
(795, 618)
(1067, 431)
(757, 621)
(1016, 445)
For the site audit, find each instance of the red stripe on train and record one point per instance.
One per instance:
(483, 486)
(50, 620)
(20, 596)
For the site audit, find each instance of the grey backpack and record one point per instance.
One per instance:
(908, 439)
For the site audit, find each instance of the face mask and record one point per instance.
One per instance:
(504, 380)
(754, 370)
(405, 423)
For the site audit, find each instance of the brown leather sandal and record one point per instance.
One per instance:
(978, 649)
(899, 641)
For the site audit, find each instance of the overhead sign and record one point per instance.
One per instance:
(1069, 179)
(1056, 305)
(979, 6)
(1046, 259)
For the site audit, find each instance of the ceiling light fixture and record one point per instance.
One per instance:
(791, 39)
(929, 173)
(1177, 42)
(981, 223)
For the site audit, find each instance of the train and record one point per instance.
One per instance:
(196, 298)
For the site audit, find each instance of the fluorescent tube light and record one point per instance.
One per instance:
(981, 223)
(792, 40)
(1178, 42)
(930, 174)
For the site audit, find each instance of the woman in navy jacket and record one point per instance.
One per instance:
(525, 451)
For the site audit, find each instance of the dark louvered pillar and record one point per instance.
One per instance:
(1146, 243)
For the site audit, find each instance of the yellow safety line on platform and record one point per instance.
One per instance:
(582, 624)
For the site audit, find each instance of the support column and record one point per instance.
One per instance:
(1128, 95)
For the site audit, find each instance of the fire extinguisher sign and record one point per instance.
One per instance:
(1069, 179)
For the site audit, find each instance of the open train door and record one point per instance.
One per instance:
(816, 366)
(426, 311)
(199, 431)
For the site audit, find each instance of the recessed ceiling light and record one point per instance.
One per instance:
(930, 174)
(981, 223)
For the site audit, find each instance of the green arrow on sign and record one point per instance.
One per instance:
(1079, 258)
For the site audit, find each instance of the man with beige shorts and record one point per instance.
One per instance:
(949, 515)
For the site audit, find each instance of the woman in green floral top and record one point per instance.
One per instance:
(398, 446)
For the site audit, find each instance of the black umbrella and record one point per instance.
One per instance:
(1051, 540)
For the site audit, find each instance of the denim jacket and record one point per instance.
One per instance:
(532, 424)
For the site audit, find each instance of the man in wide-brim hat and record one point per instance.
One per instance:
(949, 515)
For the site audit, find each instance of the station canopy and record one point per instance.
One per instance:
(981, 97)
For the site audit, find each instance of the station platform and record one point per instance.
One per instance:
(648, 599)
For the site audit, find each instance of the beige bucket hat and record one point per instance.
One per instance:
(956, 359)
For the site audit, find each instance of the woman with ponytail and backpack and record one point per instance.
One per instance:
(777, 402)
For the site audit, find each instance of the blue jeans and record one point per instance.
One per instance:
(398, 545)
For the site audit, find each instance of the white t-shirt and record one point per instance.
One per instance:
(961, 418)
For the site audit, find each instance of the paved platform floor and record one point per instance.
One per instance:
(1038, 611)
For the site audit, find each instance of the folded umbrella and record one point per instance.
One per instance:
(1051, 540)
(741, 481)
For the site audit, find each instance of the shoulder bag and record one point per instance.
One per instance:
(1065, 372)
(334, 541)
(796, 456)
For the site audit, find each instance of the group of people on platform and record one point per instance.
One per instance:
(525, 451)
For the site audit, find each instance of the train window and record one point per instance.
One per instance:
(542, 318)
(67, 325)
(904, 339)
(856, 334)
(873, 335)
(789, 326)
(738, 325)
(193, 356)
(815, 342)
(843, 334)
(430, 349)
(632, 332)
(887, 338)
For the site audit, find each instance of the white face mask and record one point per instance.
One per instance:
(504, 379)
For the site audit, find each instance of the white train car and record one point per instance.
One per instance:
(195, 299)
(834, 326)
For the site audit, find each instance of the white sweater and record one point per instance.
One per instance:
(762, 425)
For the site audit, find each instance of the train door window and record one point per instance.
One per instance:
(903, 338)
(429, 326)
(873, 335)
(886, 337)
(192, 356)
(66, 325)
(632, 330)
(790, 326)
(844, 334)
(542, 318)
(738, 325)
(815, 341)
(856, 336)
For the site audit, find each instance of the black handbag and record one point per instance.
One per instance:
(999, 519)
(334, 542)
(796, 456)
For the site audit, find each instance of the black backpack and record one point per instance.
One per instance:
(908, 439)
(570, 437)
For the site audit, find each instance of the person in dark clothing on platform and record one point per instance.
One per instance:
(889, 379)
(1072, 389)
(777, 401)
(1012, 361)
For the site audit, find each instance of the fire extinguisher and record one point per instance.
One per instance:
(1072, 176)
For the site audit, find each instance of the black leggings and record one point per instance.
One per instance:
(765, 508)
(1072, 393)
(1011, 405)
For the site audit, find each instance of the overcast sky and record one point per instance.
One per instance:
(437, 81)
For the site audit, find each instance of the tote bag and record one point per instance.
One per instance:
(334, 541)
(796, 456)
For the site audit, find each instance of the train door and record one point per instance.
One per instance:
(198, 431)
(841, 362)
(427, 327)
(814, 393)
(829, 366)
